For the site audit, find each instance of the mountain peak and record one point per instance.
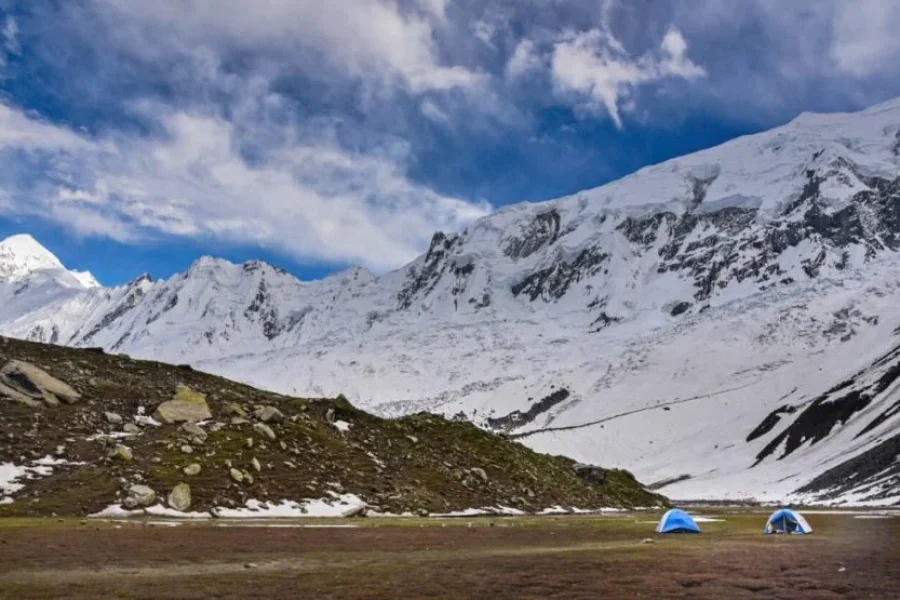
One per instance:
(22, 255)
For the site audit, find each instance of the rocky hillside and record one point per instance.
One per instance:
(83, 430)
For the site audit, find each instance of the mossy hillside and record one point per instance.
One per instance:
(420, 463)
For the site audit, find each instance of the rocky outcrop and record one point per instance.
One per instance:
(25, 383)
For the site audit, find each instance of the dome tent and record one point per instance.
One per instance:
(785, 520)
(677, 521)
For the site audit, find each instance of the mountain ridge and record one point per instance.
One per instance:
(588, 294)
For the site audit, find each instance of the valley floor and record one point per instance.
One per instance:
(851, 555)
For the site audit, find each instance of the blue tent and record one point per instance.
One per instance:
(785, 520)
(677, 521)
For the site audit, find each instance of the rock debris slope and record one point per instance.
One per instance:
(143, 435)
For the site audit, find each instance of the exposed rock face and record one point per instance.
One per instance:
(591, 473)
(180, 497)
(186, 406)
(23, 382)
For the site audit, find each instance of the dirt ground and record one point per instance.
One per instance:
(565, 557)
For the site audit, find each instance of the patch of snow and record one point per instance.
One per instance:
(9, 476)
(113, 435)
(341, 505)
(342, 426)
(116, 511)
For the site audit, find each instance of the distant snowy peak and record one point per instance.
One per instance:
(21, 256)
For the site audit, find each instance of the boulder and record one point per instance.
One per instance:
(187, 406)
(139, 496)
(591, 473)
(131, 428)
(268, 414)
(17, 396)
(122, 453)
(479, 472)
(112, 418)
(195, 431)
(34, 383)
(192, 469)
(235, 409)
(180, 497)
(263, 429)
(256, 465)
(236, 475)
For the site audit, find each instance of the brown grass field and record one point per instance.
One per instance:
(548, 557)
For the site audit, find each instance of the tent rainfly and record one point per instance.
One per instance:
(786, 520)
(677, 521)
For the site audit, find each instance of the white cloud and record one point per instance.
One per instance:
(310, 198)
(866, 39)
(523, 60)
(484, 31)
(369, 39)
(595, 68)
(434, 112)
(11, 35)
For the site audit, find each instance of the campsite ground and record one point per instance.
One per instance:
(849, 556)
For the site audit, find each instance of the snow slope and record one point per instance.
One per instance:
(724, 324)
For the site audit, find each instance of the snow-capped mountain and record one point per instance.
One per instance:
(726, 323)
(22, 256)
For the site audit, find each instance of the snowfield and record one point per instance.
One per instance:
(726, 325)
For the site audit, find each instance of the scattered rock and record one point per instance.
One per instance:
(195, 431)
(131, 428)
(648, 541)
(412, 438)
(180, 497)
(268, 414)
(479, 472)
(186, 449)
(192, 469)
(236, 475)
(256, 464)
(112, 418)
(250, 565)
(263, 429)
(139, 496)
(186, 406)
(233, 408)
(239, 421)
(329, 416)
(122, 453)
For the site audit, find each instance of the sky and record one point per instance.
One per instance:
(318, 134)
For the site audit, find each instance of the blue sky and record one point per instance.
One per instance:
(136, 136)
